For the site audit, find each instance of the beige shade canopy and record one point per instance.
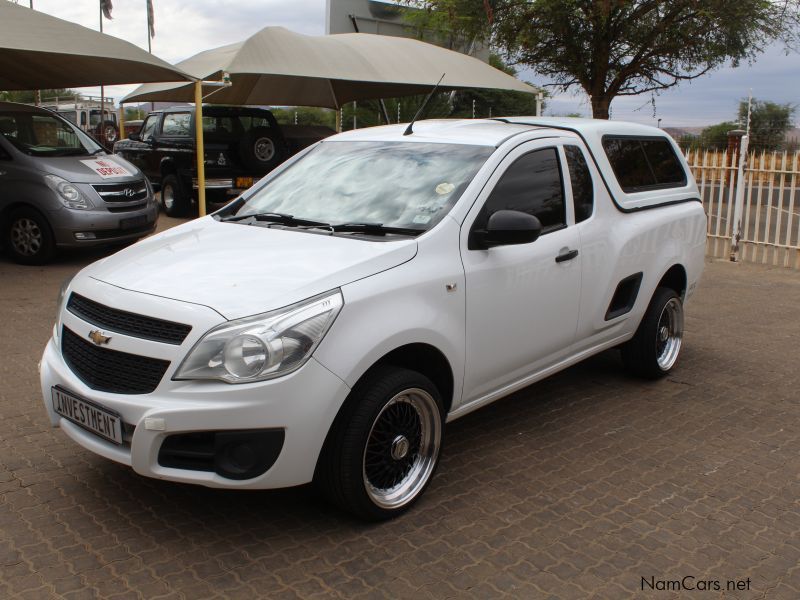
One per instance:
(281, 67)
(41, 51)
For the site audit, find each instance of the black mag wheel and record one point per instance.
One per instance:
(402, 448)
(384, 445)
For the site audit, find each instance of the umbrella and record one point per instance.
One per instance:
(41, 51)
(281, 67)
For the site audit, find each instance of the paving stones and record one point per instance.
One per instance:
(583, 485)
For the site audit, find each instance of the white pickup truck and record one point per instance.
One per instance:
(326, 324)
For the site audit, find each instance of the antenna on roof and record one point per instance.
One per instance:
(409, 130)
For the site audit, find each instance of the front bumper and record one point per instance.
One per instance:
(105, 226)
(302, 404)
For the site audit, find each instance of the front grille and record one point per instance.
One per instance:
(109, 370)
(126, 208)
(107, 234)
(122, 192)
(121, 321)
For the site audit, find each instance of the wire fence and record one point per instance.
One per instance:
(770, 229)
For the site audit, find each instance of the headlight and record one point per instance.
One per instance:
(68, 193)
(264, 346)
(62, 294)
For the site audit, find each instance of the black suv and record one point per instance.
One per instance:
(241, 145)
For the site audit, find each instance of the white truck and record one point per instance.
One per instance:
(325, 325)
(85, 112)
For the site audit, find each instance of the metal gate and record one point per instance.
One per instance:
(765, 226)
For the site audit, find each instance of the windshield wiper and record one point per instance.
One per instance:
(374, 229)
(275, 217)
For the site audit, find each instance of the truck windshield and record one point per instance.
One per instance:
(396, 184)
(42, 134)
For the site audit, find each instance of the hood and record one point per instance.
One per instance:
(241, 270)
(92, 170)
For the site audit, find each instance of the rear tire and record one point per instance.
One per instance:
(654, 350)
(173, 196)
(384, 446)
(111, 133)
(28, 237)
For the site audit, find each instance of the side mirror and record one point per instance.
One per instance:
(135, 137)
(507, 227)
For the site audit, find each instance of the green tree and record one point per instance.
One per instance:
(29, 96)
(769, 123)
(716, 136)
(616, 48)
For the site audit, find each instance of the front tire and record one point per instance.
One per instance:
(28, 237)
(654, 350)
(384, 446)
(173, 197)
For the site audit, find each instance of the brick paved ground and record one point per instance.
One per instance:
(575, 487)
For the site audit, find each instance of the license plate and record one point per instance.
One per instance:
(133, 222)
(244, 182)
(92, 417)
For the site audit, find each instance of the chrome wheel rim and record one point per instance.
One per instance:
(402, 448)
(26, 236)
(168, 197)
(264, 149)
(669, 334)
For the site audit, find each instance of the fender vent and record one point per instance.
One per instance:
(625, 296)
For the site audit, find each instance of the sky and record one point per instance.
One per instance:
(185, 27)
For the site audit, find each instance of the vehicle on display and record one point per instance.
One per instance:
(85, 111)
(59, 188)
(241, 145)
(325, 325)
(132, 127)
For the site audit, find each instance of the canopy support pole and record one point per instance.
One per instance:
(201, 160)
(122, 135)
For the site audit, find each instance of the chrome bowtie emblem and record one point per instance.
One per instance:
(98, 338)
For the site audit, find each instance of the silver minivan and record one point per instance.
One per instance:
(59, 188)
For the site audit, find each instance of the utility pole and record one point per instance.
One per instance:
(736, 231)
(102, 94)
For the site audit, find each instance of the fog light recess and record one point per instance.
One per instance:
(230, 454)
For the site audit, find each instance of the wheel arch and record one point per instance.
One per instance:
(427, 360)
(675, 279)
(167, 166)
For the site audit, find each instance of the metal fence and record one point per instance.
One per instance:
(770, 219)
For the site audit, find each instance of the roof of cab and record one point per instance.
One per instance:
(492, 132)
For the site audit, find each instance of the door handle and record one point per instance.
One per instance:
(565, 255)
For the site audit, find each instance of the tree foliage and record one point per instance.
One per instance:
(613, 48)
(29, 96)
(769, 123)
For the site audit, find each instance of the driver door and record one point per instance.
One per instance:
(522, 300)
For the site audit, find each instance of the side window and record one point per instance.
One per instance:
(532, 184)
(148, 128)
(176, 125)
(643, 163)
(581, 179)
